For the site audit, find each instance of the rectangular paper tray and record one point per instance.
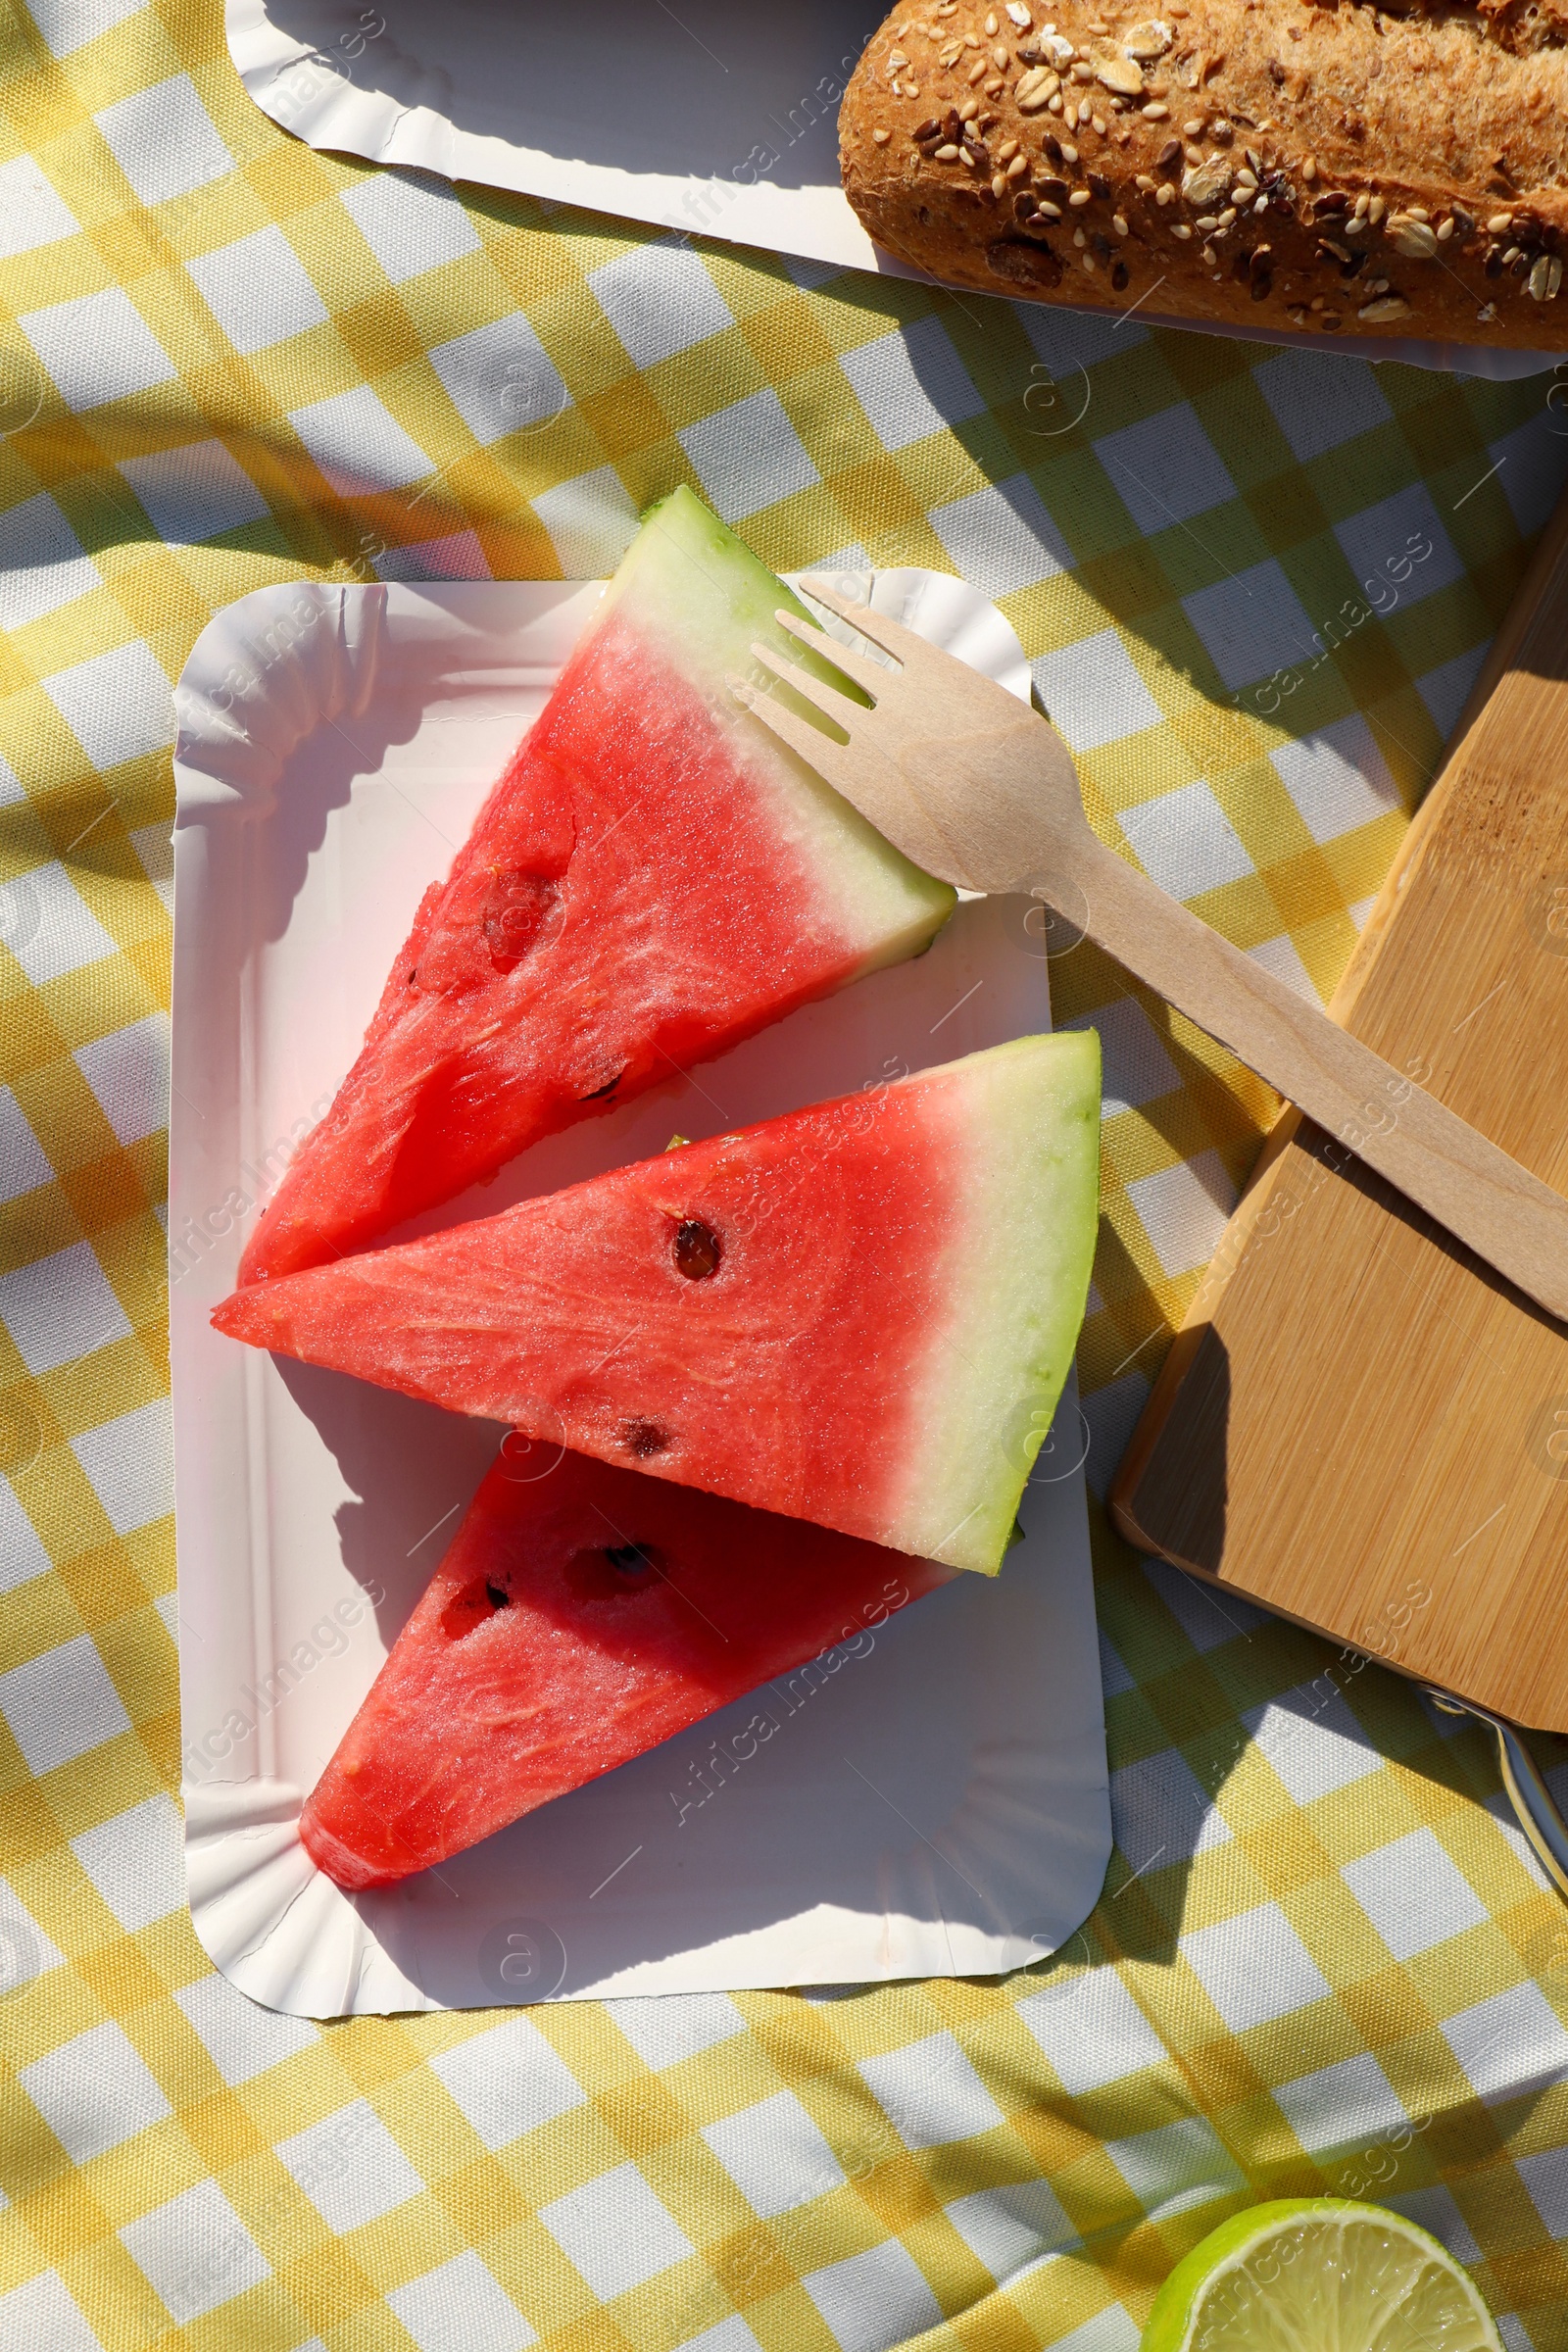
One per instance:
(717, 122)
(935, 1806)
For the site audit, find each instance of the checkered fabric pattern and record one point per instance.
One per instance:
(1254, 585)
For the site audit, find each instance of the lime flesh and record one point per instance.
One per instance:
(1319, 2274)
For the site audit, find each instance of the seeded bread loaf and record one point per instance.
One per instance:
(1343, 168)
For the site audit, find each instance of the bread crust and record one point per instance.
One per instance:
(1337, 169)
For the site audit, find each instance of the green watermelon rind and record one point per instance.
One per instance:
(1018, 1279)
(702, 593)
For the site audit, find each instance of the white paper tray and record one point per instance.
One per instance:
(719, 120)
(939, 1807)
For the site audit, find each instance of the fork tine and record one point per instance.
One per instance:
(836, 707)
(891, 635)
(817, 750)
(872, 785)
(870, 675)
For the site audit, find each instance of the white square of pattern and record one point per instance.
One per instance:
(1092, 2031)
(1338, 779)
(1311, 1740)
(195, 2252)
(591, 520)
(97, 349)
(1005, 2227)
(911, 383)
(1546, 2176)
(457, 556)
(136, 1862)
(1433, 2210)
(409, 223)
(874, 2300)
(1318, 403)
(22, 1553)
(1252, 625)
(1392, 532)
(1446, 689)
(129, 1074)
(660, 300)
(615, 2231)
(350, 2167)
(1177, 2166)
(258, 290)
(164, 139)
(930, 2092)
(1091, 691)
(94, 2092)
(1001, 538)
(460, 2308)
(1135, 1067)
(1528, 466)
(1510, 2044)
(241, 2038)
(1205, 1619)
(775, 2155)
(359, 444)
(747, 456)
(662, 2032)
(1112, 2330)
(1185, 842)
(61, 1703)
(1414, 1894)
(1184, 1209)
(32, 211)
(501, 379)
(1352, 2104)
(508, 2080)
(1112, 1415)
(70, 25)
(129, 1465)
(23, 1165)
(118, 705)
(60, 1307)
(47, 927)
(1165, 469)
(1161, 1813)
(1254, 1966)
(43, 2317)
(42, 565)
(192, 493)
(1281, 956)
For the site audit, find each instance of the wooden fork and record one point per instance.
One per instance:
(977, 788)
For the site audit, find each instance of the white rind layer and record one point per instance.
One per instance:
(695, 587)
(1024, 1124)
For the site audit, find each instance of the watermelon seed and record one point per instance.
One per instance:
(644, 1437)
(600, 1092)
(497, 1596)
(633, 1561)
(698, 1249)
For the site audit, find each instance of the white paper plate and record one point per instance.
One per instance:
(719, 122)
(939, 1806)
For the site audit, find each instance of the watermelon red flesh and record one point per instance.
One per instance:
(899, 1281)
(577, 1620)
(654, 879)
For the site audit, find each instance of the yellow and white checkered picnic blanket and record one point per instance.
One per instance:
(1323, 1958)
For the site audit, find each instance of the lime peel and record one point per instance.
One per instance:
(1319, 2274)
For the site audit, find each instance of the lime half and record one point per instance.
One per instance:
(1319, 2274)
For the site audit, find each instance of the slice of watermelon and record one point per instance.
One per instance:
(654, 878)
(577, 1620)
(861, 1314)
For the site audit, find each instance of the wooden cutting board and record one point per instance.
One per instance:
(1359, 1424)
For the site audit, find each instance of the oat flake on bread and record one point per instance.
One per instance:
(1338, 168)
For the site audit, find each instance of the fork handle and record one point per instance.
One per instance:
(1477, 1191)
